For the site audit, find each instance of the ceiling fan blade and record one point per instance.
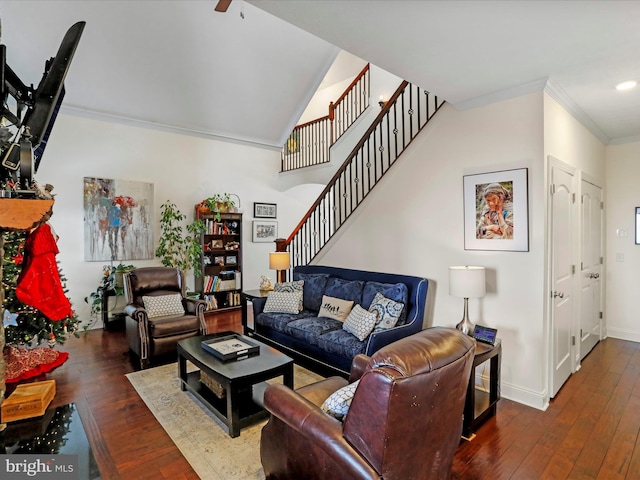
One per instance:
(222, 5)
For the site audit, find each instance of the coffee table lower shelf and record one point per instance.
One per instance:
(239, 386)
(248, 402)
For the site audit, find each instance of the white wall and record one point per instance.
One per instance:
(184, 169)
(413, 224)
(623, 277)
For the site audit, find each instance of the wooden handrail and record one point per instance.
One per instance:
(311, 122)
(352, 85)
(346, 163)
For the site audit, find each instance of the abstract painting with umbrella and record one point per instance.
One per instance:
(117, 220)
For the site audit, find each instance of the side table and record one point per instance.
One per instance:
(247, 314)
(481, 405)
(115, 322)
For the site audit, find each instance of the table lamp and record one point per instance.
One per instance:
(279, 261)
(466, 282)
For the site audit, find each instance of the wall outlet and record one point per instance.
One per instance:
(619, 257)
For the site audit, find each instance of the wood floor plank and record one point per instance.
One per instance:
(590, 430)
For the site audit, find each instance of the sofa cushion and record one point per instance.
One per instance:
(338, 403)
(163, 305)
(342, 343)
(387, 311)
(278, 321)
(283, 302)
(360, 322)
(345, 289)
(337, 308)
(314, 287)
(398, 292)
(295, 286)
(310, 329)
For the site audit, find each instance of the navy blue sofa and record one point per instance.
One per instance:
(320, 343)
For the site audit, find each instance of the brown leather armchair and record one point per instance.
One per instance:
(404, 422)
(151, 337)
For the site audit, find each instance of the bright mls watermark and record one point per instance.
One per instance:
(51, 467)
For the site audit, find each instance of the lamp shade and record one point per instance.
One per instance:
(466, 282)
(279, 260)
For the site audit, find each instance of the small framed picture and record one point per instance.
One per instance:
(231, 260)
(218, 260)
(265, 210)
(264, 231)
(216, 244)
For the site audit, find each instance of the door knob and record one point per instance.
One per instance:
(594, 275)
(555, 294)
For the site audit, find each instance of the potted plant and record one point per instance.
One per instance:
(218, 203)
(112, 279)
(179, 247)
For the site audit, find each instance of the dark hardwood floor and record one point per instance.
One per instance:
(590, 431)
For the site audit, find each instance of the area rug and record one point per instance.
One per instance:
(200, 436)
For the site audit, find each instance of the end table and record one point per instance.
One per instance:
(481, 405)
(247, 314)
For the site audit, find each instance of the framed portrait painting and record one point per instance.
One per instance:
(496, 211)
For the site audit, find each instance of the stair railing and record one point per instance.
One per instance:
(309, 143)
(401, 119)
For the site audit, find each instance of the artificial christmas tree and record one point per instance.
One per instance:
(30, 326)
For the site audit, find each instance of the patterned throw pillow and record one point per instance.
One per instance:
(296, 286)
(360, 323)
(387, 311)
(161, 305)
(335, 308)
(283, 302)
(337, 405)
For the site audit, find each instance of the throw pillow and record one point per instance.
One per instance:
(387, 311)
(161, 305)
(345, 289)
(296, 286)
(338, 403)
(335, 308)
(314, 285)
(283, 302)
(360, 322)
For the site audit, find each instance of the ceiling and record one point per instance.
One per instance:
(249, 73)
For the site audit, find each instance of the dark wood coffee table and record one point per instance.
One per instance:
(243, 381)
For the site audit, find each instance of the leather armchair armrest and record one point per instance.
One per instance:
(316, 427)
(359, 365)
(191, 305)
(136, 312)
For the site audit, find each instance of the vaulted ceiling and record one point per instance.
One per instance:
(249, 73)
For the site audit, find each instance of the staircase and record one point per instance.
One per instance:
(309, 144)
(399, 122)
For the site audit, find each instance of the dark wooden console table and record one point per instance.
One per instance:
(481, 405)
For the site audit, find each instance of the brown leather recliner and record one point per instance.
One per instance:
(151, 337)
(404, 422)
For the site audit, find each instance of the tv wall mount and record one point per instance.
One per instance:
(27, 115)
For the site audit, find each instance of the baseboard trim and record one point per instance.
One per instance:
(623, 334)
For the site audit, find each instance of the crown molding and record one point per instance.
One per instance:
(560, 96)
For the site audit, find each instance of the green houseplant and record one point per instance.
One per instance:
(179, 246)
(111, 279)
(218, 203)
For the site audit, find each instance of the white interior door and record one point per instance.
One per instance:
(590, 267)
(562, 246)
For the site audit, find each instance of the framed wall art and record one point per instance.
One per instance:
(264, 231)
(118, 220)
(496, 211)
(265, 210)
